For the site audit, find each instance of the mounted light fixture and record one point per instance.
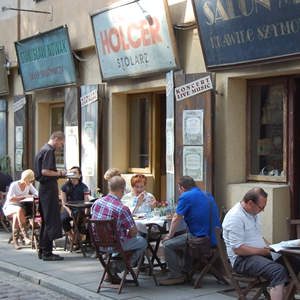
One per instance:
(5, 8)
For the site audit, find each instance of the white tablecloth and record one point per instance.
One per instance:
(141, 224)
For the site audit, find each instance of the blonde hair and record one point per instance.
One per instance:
(27, 175)
(111, 172)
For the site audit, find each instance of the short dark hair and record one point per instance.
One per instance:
(254, 194)
(57, 135)
(187, 182)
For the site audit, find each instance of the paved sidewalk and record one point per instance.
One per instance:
(78, 277)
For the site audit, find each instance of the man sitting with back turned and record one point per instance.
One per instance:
(201, 215)
(246, 247)
(111, 207)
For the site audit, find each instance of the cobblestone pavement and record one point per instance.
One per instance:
(15, 288)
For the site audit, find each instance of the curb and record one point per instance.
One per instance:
(51, 283)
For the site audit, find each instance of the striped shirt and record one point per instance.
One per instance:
(110, 207)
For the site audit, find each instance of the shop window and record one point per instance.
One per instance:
(3, 127)
(140, 107)
(57, 124)
(267, 123)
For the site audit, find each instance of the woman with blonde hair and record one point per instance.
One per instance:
(19, 190)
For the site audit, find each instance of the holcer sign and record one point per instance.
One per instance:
(46, 60)
(242, 31)
(134, 39)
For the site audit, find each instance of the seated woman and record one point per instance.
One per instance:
(139, 201)
(74, 190)
(19, 190)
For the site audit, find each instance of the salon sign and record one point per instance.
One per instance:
(134, 39)
(234, 32)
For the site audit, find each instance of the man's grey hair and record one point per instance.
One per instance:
(59, 135)
(116, 184)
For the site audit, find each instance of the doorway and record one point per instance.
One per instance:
(294, 142)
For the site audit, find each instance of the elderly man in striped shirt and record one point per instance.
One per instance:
(111, 207)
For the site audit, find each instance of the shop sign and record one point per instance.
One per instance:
(45, 60)
(193, 88)
(19, 104)
(241, 31)
(91, 97)
(134, 39)
(3, 73)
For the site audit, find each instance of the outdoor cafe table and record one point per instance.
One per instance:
(154, 228)
(294, 284)
(81, 207)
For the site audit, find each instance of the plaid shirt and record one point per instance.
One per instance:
(110, 207)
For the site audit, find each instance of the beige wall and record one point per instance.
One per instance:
(230, 121)
(276, 212)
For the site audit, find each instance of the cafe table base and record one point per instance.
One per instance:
(294, 284)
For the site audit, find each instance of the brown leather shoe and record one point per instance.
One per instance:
(172, 281)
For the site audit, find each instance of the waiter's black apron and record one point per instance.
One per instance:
(48, 194)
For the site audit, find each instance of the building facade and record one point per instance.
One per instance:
(124, 112)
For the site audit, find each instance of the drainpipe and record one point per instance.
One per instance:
(18, 20)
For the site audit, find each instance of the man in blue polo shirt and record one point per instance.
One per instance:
(195, 207)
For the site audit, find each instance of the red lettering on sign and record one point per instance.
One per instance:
(155, 29)
(134, 35)
(104, 42)
(114, 39)
(132, 30)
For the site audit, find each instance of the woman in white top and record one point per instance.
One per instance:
(139, 201)
(19, 190)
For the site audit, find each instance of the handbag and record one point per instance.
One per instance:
(199, 246)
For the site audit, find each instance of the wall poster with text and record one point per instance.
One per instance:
(193, 162)
(192, 127)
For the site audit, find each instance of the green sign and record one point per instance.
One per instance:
(46, 60)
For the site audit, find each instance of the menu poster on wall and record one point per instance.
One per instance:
(192, 127)
(19, 137)
(170, 145)
(89, 148)
(71, 146)
(19, 160)
(193, 162)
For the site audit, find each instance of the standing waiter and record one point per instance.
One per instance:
(47, 174)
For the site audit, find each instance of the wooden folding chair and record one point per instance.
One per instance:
(207, 265)
(242, 284)
(105, 238)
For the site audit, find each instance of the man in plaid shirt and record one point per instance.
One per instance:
(111, 207)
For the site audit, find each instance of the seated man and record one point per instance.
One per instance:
(111, 207)
(201, 215)
(246, 247)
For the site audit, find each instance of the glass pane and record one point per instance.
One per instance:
(57, 124)
(267, 130)
(139, 132)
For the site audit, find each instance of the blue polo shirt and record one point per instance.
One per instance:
(194, 206)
